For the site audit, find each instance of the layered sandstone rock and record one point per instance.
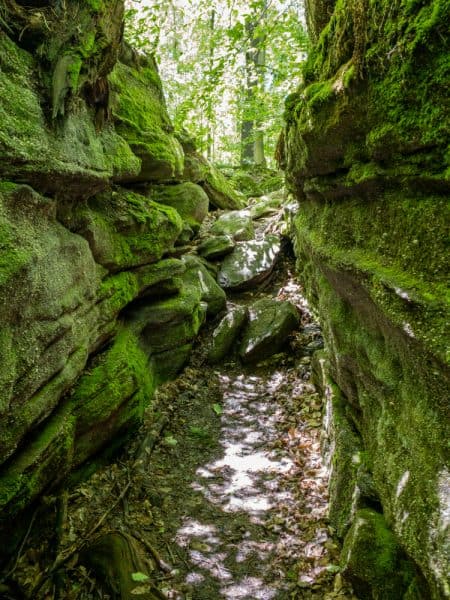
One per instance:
(364, 150)
(86, 285)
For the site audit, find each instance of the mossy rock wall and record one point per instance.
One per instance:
(365, 152)
(82, 115)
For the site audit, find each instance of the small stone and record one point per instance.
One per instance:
(226, 333)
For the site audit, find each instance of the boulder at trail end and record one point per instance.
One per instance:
(226, 333)
(237, 223)
(250, 263)
(187, 198)
(269, 326)
(216, 247)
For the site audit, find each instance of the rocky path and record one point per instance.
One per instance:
(228, 498)
(240, 478)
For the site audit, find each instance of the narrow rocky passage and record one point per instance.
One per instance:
(243, 483)
(227, 497)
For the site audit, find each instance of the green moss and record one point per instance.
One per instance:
(167, 365)
(346, 463)
(143, 122)
(318, 93)
(179, 331)
(397, 389)
(349, 76)
(373, 561)
(46, 460)
(370, 167)
(115, 375)
(119, 290)
(32, 152)
(126, 229)
(73, 72)
(385, 240)
(189, 200)
(12, 257)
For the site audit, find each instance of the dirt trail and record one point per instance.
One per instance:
(233, 496)
(241, 481)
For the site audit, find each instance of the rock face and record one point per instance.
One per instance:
(364, 152)
(93, 314)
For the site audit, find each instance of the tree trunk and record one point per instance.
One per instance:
(210, 136)
(252, 135)
(259, 156)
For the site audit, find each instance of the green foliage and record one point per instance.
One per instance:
(202, 46)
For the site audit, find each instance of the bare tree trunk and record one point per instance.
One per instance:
(210, 108)
(252, 134)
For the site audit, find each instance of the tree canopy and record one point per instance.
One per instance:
(226, 66)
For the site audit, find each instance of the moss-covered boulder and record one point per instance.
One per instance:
(109, 399)
(189, 200)
(167, 328)
(125, 229)
(220, 191)
(266, 206)
(154, 280)
(249, 264)
(270, 323)
(45, 461)
(365, 150)
(48, 319)
(236, 223)
(198, 276)
(68, 157)
(256, 182)
(215, 247)
(226, 333)
(373, 561)
(141, 119)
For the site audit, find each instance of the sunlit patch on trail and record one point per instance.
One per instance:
(250, 588)
(249, 479)
(247, 425)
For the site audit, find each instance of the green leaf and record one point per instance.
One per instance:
(333, 568)
(140, 577)
(169, 440)
(217, 409)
